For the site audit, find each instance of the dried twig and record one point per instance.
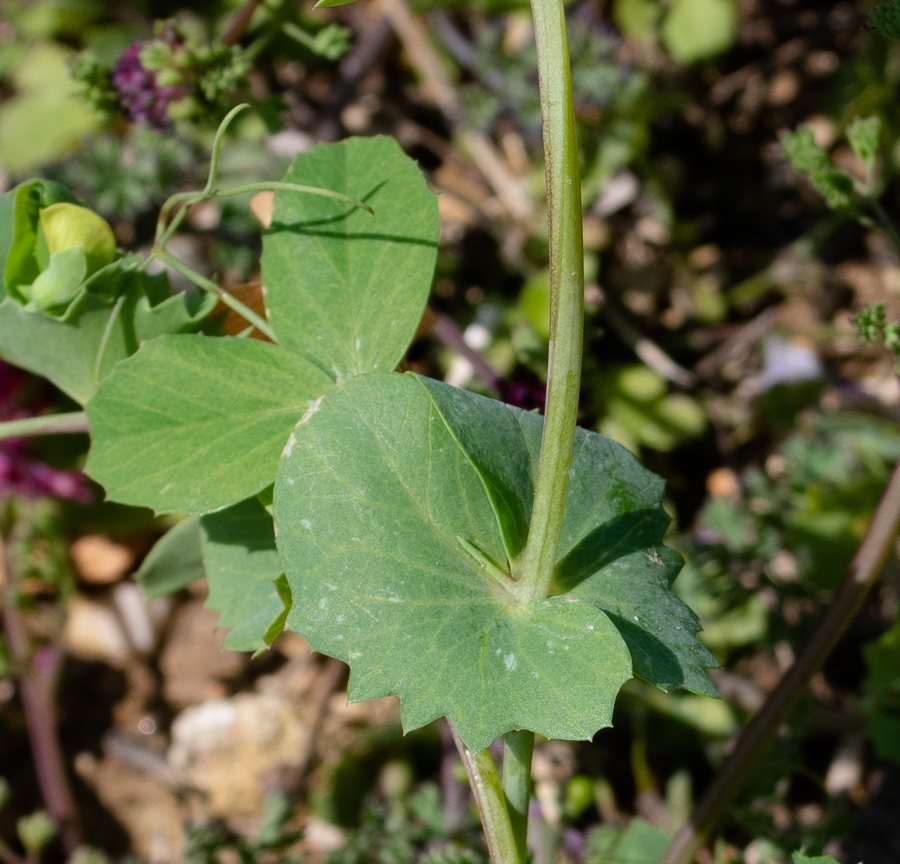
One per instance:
(240, 22)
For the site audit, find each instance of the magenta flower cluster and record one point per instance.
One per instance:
(19, 474)
(140, 96)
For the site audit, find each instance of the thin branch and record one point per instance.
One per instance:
(37, 687)
(757, 735)
(46, 424)
(449, 332)
(240, 22)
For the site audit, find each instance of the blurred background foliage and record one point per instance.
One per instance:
(719, 347)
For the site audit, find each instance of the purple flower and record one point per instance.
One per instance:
(139, 94)
(20, 475)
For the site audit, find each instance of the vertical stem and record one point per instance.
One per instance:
(566, 298)
(491, 802)
(756, 736)
(518, 748)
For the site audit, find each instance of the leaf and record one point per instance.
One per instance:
(378, 506)
(324, 4)
(174, 562)
(242, 566)
(800, 858)
(611, 554)
(809, 158)
(885, 18)
(636, 18)
(344, 289)
(191, 424)
(881, 694)
(695, 30)
(639, 843)
(863, 135)
(75, 354)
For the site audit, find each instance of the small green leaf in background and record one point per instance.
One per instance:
(695, 30)
(345, 289)
(863, 136)
(881, 694)
(191, 424)
(809, 158)
(639, 843)
(800, 858)
(44, 120)
(36, 831)
(174, 562)
(242, 566)
(636, 18)
(885, 18)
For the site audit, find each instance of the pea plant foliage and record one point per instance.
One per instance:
(382, 516)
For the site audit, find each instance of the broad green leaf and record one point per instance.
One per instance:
(611, 554)
(174, 562)
(242, 566)
(192, 424)
(180, 313)
(75, 354)
(800, 858)
(345, 289)
(394, 554)
(695, 30)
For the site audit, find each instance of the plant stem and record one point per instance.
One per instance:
(518, 748)
(46, 424)
(566, 299)
(753, 740)
(491, 802)
(208, 285)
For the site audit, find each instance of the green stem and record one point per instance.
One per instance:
(208, 285)
(566, 299)
(278, 186)
(47, 424)
(518, 748)
(491, 802)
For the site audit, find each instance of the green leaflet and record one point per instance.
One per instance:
(389, 503)
(242, 568)
(346, 289)
(174, 561)
(191, 424)
(611, 553)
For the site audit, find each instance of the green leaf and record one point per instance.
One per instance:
(809, 158)
(881, 694)
(324, 4)
(174, 562)
(863, 136)
(76, 353)
(636, 18)
(885, 18)
(191, 424)
(7, 234)
(393, 550)
(800, 858)
(242, 566)
(611, 554)
(344, 289)
(639, 843)
(695, 30)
